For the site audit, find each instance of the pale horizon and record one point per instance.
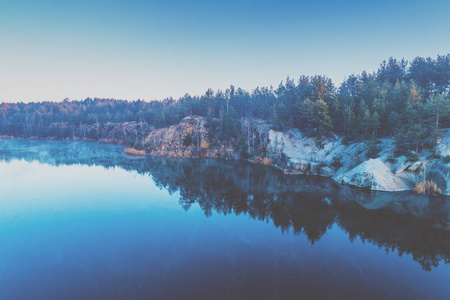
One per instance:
(151, 51)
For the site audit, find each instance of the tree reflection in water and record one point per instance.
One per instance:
(398, 222)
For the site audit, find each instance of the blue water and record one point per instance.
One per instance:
(112, 226)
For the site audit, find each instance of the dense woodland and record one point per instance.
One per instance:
(407, 100)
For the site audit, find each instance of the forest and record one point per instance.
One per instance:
(407, 100)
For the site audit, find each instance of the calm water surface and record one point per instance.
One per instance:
(82, 220)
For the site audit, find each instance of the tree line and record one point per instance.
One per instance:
(408, 100)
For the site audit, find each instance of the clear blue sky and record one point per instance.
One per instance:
(50, 50)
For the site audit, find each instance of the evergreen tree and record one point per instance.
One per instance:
(231, 123)
(322, 119)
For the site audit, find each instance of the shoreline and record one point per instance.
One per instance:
(130, 150)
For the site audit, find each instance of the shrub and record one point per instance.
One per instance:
(391, 159)
(187, 140)
(242, 147)
(336, 163)
(213, 127)
(357, 160)
(434, 156)
(427, 187)
(412, 156)
(372, 148)
(346, 141)
(447, 159)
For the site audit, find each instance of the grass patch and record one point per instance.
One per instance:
(427, 187)
(133, 151)
(264, 161)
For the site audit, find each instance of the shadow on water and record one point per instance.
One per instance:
(400, 222)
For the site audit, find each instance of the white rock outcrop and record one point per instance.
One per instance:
(301, 155)
(373, 174)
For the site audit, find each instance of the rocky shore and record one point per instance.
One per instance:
(292, 151)
(295, 153)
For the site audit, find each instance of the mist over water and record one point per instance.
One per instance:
(82, 220)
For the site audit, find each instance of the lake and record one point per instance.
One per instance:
(82, 220)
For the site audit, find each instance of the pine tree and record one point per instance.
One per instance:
(306, 112)
(322, 119)
(414, 98)
(231, 123)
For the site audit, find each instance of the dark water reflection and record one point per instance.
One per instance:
(402, 223)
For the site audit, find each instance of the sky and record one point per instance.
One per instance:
(51, 50)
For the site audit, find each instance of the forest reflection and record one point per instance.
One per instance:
(397, 222)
